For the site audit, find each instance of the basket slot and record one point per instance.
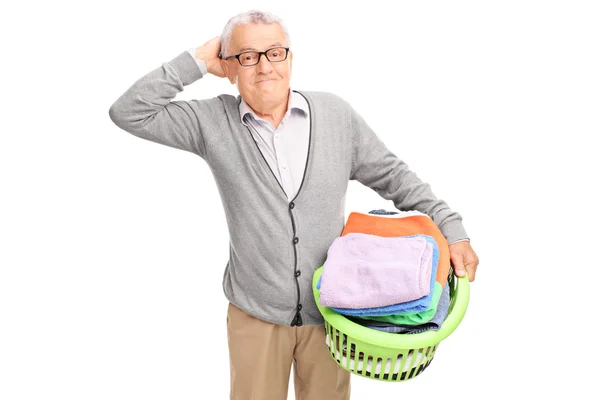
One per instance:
(397, 363)
(369, 367)
(388, 368)
(413, 358)
(338, 346)
(404, 357)
(359, 364)
(414, 364)
(378, 367)
(346, 359)
(353, 360)
(331, 341)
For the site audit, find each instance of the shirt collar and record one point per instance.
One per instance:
(295, 101)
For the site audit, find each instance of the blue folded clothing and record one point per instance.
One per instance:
(418, 305)
(435, 324)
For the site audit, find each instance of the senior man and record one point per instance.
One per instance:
(282, 160)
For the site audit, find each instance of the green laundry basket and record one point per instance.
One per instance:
(387, 356)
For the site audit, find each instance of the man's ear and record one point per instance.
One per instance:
(228, 71)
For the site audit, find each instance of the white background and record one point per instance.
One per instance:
(112, 248)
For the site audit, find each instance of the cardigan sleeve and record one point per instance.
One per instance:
(147, 109)
(378, 168)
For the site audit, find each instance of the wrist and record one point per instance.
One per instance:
(201, 54)
(200, 63)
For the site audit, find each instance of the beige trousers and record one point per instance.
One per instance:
(261, 355)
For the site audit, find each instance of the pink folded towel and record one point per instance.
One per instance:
(366, 271)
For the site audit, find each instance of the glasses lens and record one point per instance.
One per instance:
(249, 58)
(276, 54)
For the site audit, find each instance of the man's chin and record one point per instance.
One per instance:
(270, 91)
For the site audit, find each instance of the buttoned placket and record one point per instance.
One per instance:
(297, 320)
(283, 161)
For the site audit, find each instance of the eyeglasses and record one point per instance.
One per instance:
(250, 58)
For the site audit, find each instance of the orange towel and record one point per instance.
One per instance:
(412, 225)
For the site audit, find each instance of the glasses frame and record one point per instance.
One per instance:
(260, 53)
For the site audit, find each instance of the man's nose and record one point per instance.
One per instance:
(264, 65)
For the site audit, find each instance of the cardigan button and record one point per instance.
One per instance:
(296, 240)
(292, 205)
(297, 274)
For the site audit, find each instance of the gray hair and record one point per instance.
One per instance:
(249, 17)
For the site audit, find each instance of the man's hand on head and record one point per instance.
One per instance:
(209, 53)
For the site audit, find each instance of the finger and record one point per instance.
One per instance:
(471, 268)
(471, 264)
(458, 265)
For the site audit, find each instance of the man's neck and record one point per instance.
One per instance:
(274, 114)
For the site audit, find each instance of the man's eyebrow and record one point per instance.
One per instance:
(250, 48)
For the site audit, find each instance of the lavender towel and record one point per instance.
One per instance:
(417, 305)
(367, 271)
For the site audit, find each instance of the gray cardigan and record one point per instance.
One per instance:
(275, 244)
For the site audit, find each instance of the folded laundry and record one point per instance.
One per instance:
(399, 323)
(402, 224)
(412, 318)
(418, 305)
(369, 271)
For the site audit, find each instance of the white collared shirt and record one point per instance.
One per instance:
(285, 148)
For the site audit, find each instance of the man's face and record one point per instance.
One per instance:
(265, 84)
